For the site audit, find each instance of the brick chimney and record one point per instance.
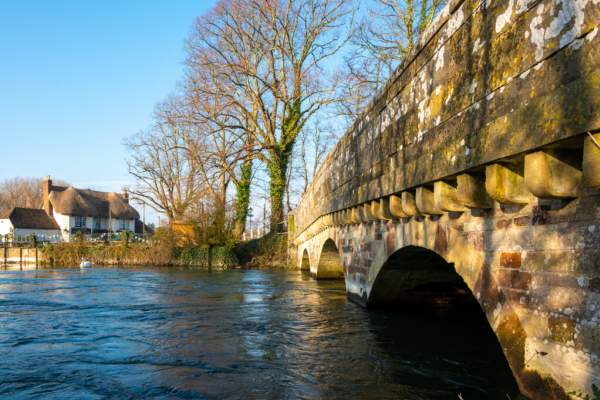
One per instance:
(125, 195)
(47, 188)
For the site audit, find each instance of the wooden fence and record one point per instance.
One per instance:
(21, 256)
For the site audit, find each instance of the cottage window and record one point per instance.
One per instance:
(96, 223)
(79, 221)
(124, 224)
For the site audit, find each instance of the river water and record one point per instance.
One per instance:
(162, 333)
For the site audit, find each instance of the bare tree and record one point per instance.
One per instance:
(22, 192)
(224, 150)
(386, 35)
(167, 177)
(315, 143)
(266, 60)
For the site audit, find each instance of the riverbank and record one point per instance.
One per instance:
(134, 254)
(268, 252)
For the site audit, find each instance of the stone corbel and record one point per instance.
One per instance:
(591, 161)
(445, 197)
(471, 191)
(506, 184)
(553, 173)
(425, 201)
(409, 204)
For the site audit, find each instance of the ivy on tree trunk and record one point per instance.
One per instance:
(242, 200)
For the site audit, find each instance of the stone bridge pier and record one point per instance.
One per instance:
(475, 174)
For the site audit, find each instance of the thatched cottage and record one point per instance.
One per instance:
(88, 211)
(67, 211)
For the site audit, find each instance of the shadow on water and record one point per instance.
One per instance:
(444, 351)
(434, 342)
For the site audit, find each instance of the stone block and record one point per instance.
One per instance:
(354, 215)
(522, 221)
(471, 191)
(559, 299)
(506, 184)
(553, 279)
(348, 216)
(503, 223)
(535, 324)
(446, 198)
(562, 329)
(409, 204)
(425, 201)
(508, 240)
(591, 161)
(590, 336)
(381, 209)
(553, 173)
(342, 217)
(540, 216)
(365, 213)
(509, 278)
(395, 207)
(510, 260)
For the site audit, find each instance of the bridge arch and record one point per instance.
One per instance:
(418, 279)
(305, 263)
(329, 265)
(417, 276)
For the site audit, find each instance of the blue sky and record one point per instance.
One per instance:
(79, 76)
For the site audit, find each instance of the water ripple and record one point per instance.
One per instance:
(159, 333)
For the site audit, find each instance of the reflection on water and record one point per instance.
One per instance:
(257, 334)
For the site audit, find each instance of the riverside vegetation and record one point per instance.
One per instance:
(163, 250)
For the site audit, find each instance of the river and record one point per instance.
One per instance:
(166, 333)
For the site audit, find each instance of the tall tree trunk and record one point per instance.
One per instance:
(242, 200)
(218, 226)
(280, 157)
(277, 167)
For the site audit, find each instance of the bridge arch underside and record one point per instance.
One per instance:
(417, 277)
(418, 280)
(305, 262)
(329, 265)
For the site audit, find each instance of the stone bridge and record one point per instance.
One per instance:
(478, 168)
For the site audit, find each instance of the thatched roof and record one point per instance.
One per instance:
(30, 218)
(90, 203)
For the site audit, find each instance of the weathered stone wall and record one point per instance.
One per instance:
(496, 78)
(483, 149)
(534, 269)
